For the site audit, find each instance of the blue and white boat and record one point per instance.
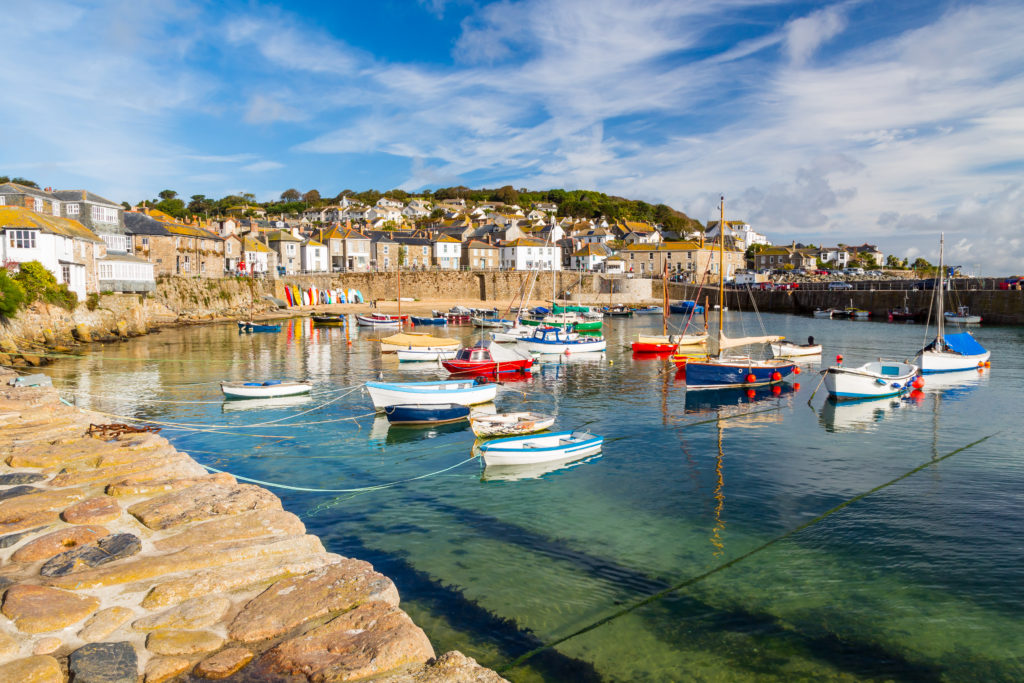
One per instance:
(949, 352)
(419, 414)
(685, 307)
(268, 389)
(546, 340)
(463, 392)
(649, 310)
(416, 320)
(530, 450)
(877, 379)
(249, 326)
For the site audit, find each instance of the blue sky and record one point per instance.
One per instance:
(827, 122)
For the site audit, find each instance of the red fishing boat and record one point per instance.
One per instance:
(488, 358)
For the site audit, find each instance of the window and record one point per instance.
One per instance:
(56, 208)
(115, 242)
(384, 250)
(71, 209)
(425, 251)
(22, 239)
(104, 214)
(38, 205)
(65, 273)
(291, 248)
(3, 200)
(202, 266)
(145, 243)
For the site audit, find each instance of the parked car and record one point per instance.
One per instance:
(822, 271)
(840, 285)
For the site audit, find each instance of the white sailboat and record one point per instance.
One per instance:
(949, 352)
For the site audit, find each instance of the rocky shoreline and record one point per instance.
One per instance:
(122, 559)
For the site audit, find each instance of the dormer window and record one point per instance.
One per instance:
(71, 209)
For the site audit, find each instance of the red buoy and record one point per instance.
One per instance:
(776, 376)
(918, 382)
(776, 390)
(796, 369)
(751, 377)
(839, 358)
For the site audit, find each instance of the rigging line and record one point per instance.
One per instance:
(375, 487)
(314, 408)
(711, 572)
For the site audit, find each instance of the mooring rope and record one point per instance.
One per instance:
(722, 567)
(375, 487)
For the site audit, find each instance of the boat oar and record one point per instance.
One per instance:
(822, 373)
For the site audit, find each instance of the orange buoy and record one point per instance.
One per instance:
(776, 376)
(918, 382)
(988, 364)
(981, 368)
(796, 369)
(751, 377)
(839, 358)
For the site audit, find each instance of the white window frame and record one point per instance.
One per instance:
(22, 239)
(71, 209)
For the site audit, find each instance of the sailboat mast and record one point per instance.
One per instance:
(721, 264)
(664, 308)
(941, 317)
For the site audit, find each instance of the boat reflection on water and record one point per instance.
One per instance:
(953, 386)
(383, 432)
(864, 415)
(734, 402)
(265, 403)
(535, 471)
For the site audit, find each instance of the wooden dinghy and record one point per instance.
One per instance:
(509, 424)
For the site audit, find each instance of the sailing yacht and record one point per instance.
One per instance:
(718, 370)
(949, 352)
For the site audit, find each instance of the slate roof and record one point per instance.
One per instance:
(19, 217)
(141, 224)
(83, 196)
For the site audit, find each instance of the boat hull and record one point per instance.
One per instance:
(934, 362)
(562, 347)
(785, 350)
(872, 380)
(370, 321)
(242, 390)
(428, 321)
(490, 367)
(509, 424)
(712, 374)
(421, 355)
(465, 393)
(419, 414)
(531, 450)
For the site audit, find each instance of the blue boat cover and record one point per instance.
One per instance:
(964, 344)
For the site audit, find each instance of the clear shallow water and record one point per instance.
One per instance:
(922, 580)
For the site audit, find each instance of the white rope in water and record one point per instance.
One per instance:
(375, 487)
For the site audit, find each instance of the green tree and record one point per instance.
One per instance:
(12, 294)
(402, 251)
(19, 180)
(507, 194)
(311, 197)
(167, 194)
(199, 204)
(40, 284)
(291, 195)
(893, 261)
(172, 206)
(921, 264)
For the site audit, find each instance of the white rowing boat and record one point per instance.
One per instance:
(509, 424)
(425, 354)
(529, 450)
(267, 389)
(871, 380)
(463, 392)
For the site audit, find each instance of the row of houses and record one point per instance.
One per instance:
(808, 257)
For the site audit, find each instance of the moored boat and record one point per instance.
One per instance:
(949, 352)
(463, 392)
(266, 389)
(416, 340)
(512, 334)
(509, 424)
(378, 320)
(685, 306)
(619, 311)
(822, 313)
(249, 326)
(417, 320)
(529, 450)
(876, 379)
(328, 320)
(495, 323)
(546, 340)
(787, 349)
(649, 310)
(416, 413)
(488, 358)
(963, 315)
(426, 354)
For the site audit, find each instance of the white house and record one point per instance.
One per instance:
(384, 213)
(529, 254)
(314, 257)
(257, 256)
(741, 232)
(389, 203)
(447, 252)
(589, 257)
(834, 256)
(614, 265)
(64, 247)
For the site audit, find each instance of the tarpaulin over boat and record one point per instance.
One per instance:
(964, 344)
(419, 340)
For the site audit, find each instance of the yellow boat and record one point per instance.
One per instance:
(416, 340)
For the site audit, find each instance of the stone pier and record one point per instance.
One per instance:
(123, 560)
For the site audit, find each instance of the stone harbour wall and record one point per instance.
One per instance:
(123, 560)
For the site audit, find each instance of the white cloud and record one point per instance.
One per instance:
(266, 109)
(261, 166)
(806, 34)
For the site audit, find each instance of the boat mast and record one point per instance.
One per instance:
(399, 295)
(721, 267)
(664, 289)
(938, 305)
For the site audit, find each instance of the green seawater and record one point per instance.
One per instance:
(618, 568)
